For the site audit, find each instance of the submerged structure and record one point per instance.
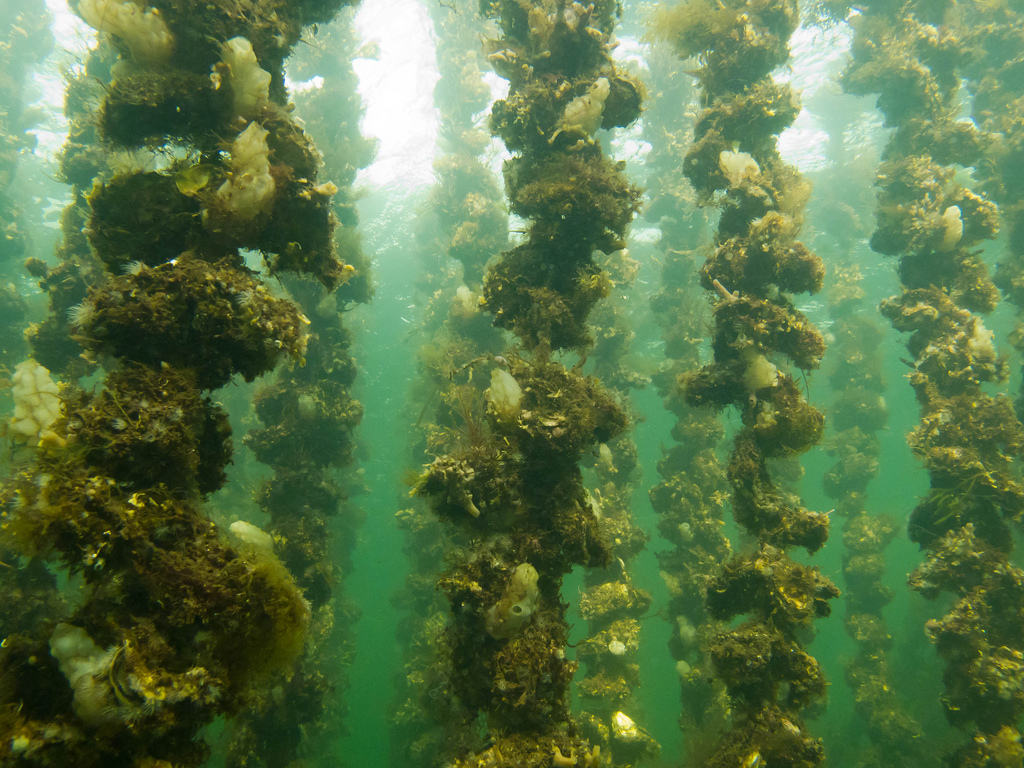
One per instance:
(174, 597)
(755, 261)
(173, 624)
(515, 482)
(967, 438)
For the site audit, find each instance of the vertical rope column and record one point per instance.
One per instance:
(610, 652)
(755, 263)
(515, 484)
(966, 438)
(176, 625)
(309, 416)
(465, 225)
(693, 492)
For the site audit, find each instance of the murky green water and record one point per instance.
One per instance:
(361, 671)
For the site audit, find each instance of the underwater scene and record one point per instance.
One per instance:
(511, 383)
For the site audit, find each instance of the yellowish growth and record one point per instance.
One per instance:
(36, 402)
(1005, 746)
(465, 304)
(559, 760)
(504, 396)
(586, 111)
(692, 27)
(143, 31)
(738, 167)
(250, 190)
(760, 373)
(517, 605)
(289, 612)
(952, 228)
(255, 537)
(249, 83)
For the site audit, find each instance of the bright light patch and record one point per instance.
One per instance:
(398, 91)
(805, 144)
(313, 84)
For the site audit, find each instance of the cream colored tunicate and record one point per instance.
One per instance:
(36, 402)
(766, 415)
(760, 373)
(250, 190)
(952, 228)
(738, 166)
(624, 728)
(517, 605)
(586, 111)
(687, 632)
(85, 665)
(143, 31)
(465, 303)
(982, 342)
(617, 648)
(504, 396)
(253, 536)
(250, 84)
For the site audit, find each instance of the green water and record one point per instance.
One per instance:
(386, 350)
(387, 337)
